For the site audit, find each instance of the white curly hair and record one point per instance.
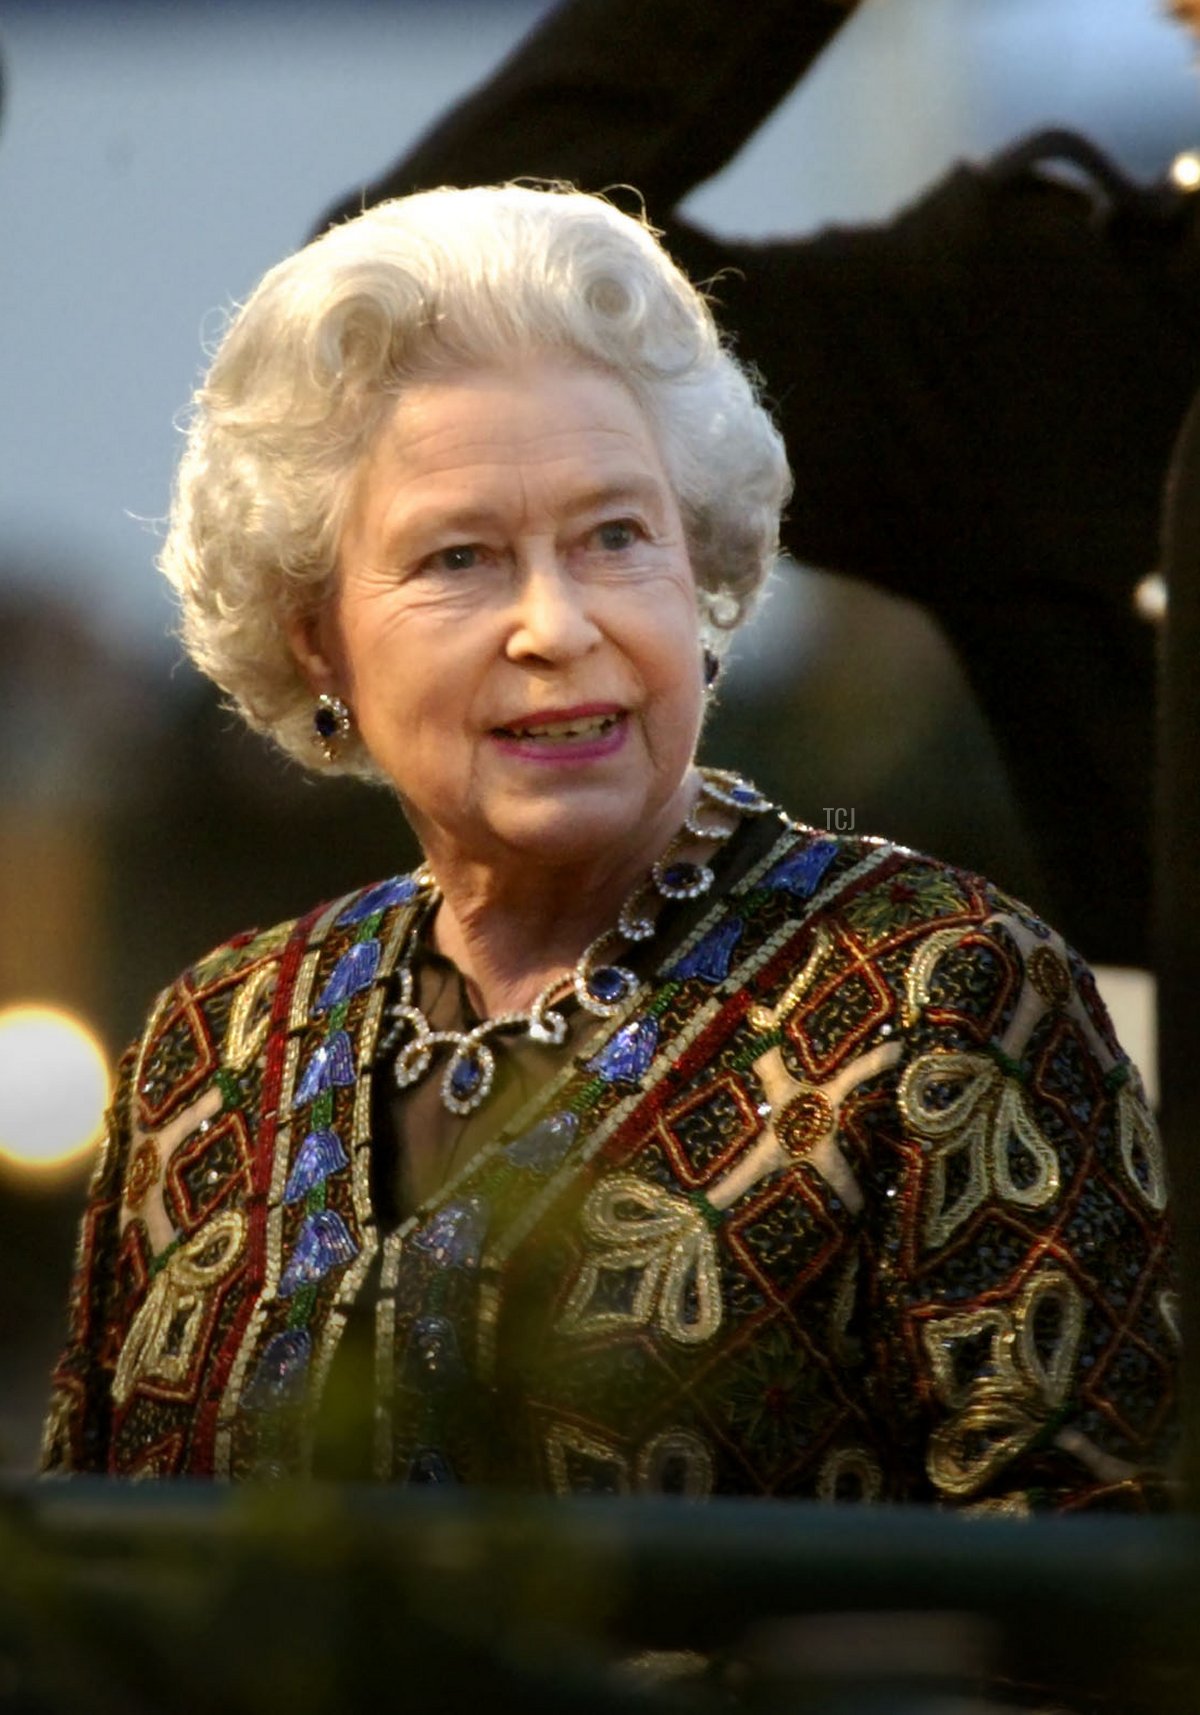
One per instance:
(424, 286)
(1185, 12)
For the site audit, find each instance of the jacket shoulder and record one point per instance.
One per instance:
(212, 1025)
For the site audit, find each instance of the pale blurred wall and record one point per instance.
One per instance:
(156, 158)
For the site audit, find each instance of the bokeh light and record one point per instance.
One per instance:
(54, 1086)
(1185, 170)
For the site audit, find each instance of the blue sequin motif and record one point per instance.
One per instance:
(332, 1065)
(710, 958)
(280, 1371)
(398, 891)
(433, 1358)
(626, 1057)
(324, 1243)
(319, 1155)
(454, 1236)
(801, 873)
(430, 1466)
(542, 1147)
(355, 970)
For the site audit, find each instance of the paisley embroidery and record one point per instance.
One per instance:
(250, 1019)
(1141, 1149)
(1003, 1373)
(675, 1462)
(164, 1335)
(962, 1103)
(850, 1474)
(664, 1244)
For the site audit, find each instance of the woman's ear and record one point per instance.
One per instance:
(307, 638)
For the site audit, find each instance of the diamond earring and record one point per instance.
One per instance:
(332, 725)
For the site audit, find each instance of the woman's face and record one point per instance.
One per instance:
(514, 623)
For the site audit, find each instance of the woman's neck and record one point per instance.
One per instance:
(512, 929)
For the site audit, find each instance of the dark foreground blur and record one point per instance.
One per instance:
(311, 1600)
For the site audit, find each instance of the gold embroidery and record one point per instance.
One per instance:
(1168, 1309)
(104, 1152)
(1048, 1357)
(1046, 984)
(1141, 1149)
(678, 1447)
(1049, 976)
(920, 971)
(565, 1443)
(147, 1173)
(844, 1300)
(988, 1118)
(1022, 1378)
(249, 1019)
(640, 1229)
(804, 1121)
(819, 1146)
(850, 1474)
(162, 1336)
(298, 1014)
(141, 1174)
(56, 1454)
(999, 1506)
(764, 1018)
(966, 1453)
(224, 959)
(944, 1340)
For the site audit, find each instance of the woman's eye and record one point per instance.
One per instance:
(616, 535)
(461, 558)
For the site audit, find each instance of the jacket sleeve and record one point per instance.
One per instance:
(608, 92)
(77, 1432)
(1023, 1265)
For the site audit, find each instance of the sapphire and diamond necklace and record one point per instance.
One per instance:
(596, 981)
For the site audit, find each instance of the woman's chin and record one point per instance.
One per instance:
(577, 830)
(558, 839)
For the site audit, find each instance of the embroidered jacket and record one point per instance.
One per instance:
(856, 1198)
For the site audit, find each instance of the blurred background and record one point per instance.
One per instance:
(154, 159)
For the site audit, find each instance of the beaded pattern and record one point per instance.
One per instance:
(855, 1199)
(598, 985)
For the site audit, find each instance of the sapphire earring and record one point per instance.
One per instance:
(332, 725)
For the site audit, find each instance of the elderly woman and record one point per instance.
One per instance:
(642, 1139)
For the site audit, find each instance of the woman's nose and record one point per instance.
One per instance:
(552, 617)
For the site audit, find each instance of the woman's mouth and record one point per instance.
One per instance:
(559, 731)
(583, 735)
